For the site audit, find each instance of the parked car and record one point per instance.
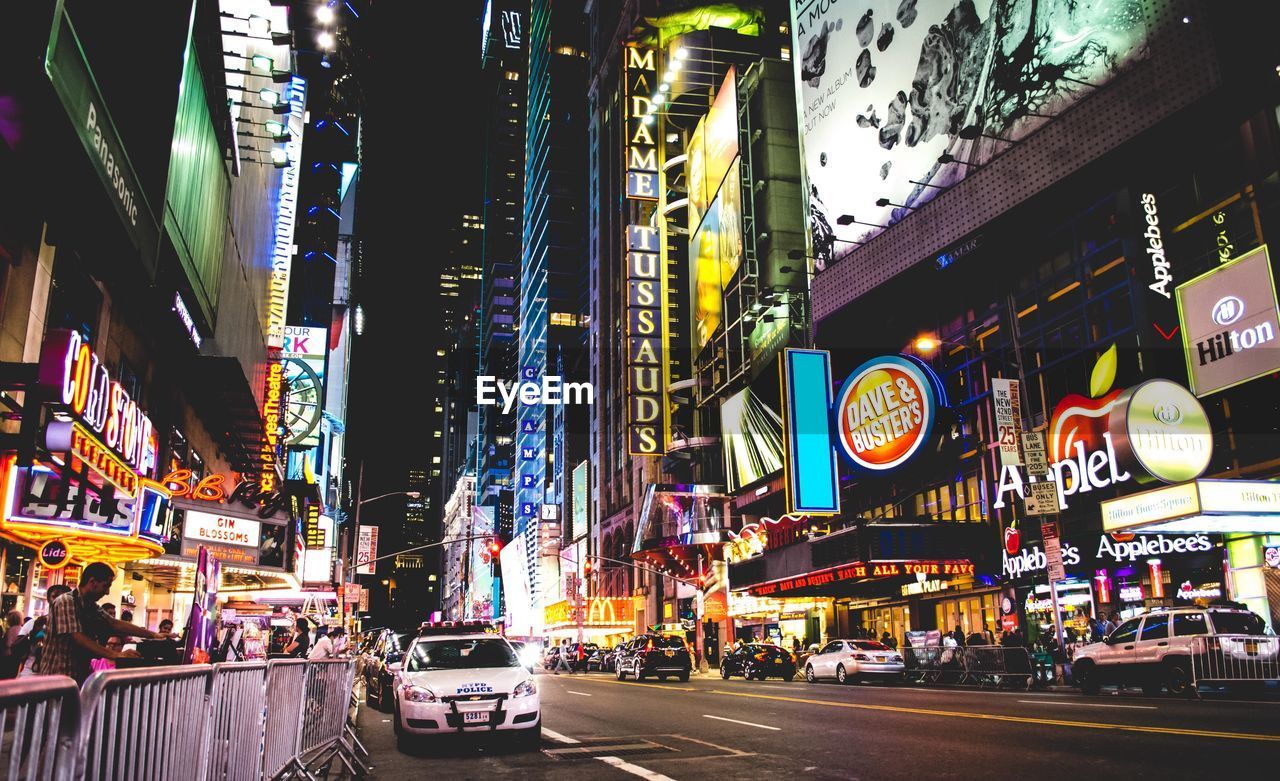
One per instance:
(609, 658)
(592, 660)
(654, 655)
(854, 660)
(380, 668)
(758, 661)
(1155, 650)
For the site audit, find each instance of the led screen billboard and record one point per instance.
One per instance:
(886, 87)
(751, 429)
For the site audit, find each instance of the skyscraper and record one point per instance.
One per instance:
(553, 289)
(504, 58)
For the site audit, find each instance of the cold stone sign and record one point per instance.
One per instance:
(646, 267)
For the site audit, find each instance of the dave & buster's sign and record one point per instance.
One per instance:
(885, 412)
(862, 571)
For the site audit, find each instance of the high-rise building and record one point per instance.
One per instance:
(504, 69)
(648, 428)
(553, 309)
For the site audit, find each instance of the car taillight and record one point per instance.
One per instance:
(861, 658)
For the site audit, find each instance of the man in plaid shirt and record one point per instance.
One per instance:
(78, 627)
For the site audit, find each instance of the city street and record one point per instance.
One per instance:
(716, 729)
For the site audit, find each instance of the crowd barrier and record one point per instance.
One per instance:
(39, 719)
(1227, 659)
(979, 665)
(223, 722)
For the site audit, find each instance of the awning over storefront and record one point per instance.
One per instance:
(1209, 506)
(679, 524)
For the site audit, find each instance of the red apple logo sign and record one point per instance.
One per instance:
(1012, 540)
(1079, 420)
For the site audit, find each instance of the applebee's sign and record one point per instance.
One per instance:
(1157, 429)
(1019, 561)
(1151, 546)
(1027, 560)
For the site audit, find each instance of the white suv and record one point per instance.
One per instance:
(1154, 650)
(459, 681)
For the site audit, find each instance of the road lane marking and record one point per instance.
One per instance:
(634, 770)
(594, 749)
(557, 737)
(971, 715)
(663, 686)
(1088, 704)
(1200, 733)
(735, 721)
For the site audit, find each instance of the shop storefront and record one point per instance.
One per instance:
(782, 621)
(86, 490)
(605, 621)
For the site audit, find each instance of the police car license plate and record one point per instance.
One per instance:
(881, 658)
(1251, 647)
(476, 716)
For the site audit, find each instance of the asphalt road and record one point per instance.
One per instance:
(599, 728)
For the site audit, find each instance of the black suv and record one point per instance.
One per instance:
(654, 655)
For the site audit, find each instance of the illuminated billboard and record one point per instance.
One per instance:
(304, 360)
(751, 429)
(886, 88)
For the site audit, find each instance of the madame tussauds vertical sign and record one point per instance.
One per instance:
(646, 261)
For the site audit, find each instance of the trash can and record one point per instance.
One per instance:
(1042, 668)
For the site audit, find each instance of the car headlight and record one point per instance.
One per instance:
(413, 693)
(524, 689)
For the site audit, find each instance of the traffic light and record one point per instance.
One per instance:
(586, 568)
(495, 547)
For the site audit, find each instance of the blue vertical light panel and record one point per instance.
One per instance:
(813, 484)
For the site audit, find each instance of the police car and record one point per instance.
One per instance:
(460, 677)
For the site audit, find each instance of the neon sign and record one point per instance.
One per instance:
(216, 488)
(81, 384)
(862, 571)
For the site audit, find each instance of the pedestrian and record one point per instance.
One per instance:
(300, 645)
(11, 657)
(562, 659)
(327, 646)
(75, 624)
(988, 634)
(166, 627)
(958, 635)
(110, 610)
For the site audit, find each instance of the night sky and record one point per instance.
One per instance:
(422, 171)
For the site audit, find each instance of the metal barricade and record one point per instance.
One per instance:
(322, 722)
(39, 726)
(236, 711)
(979, 665)
(286, 688)
(995, 665)
(144, 724)
(930, 663)
(1234, 659)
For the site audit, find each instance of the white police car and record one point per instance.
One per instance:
(461, 678)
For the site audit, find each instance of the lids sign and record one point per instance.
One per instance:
(885, 412)
(54, 555)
